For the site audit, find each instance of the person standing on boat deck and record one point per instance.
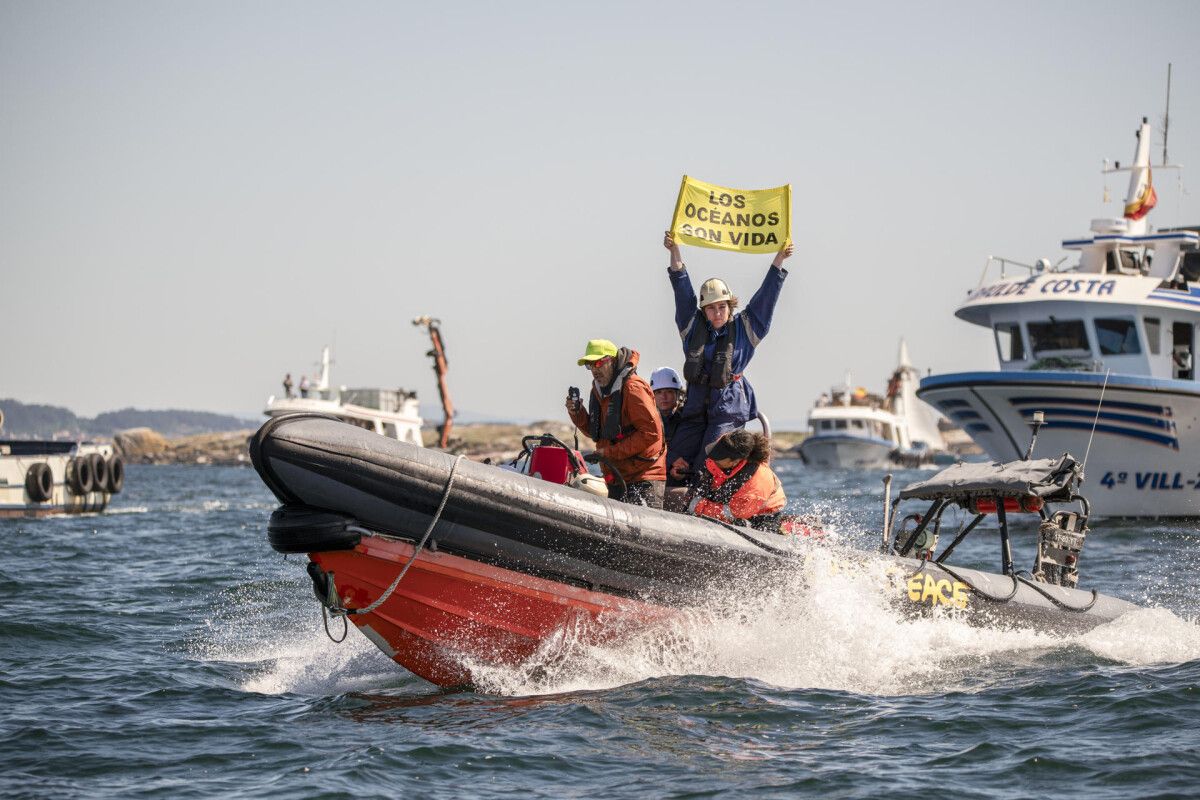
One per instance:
(622, 420)
(717, 347)
(737, 485)
(287, 386)
(304, 386)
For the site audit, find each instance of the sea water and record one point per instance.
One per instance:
(164, 650)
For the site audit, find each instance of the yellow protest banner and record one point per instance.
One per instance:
(747, 221)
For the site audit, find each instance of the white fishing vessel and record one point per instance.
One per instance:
(854, 429)
(39, 478)
(394, 413)
(1105, 345)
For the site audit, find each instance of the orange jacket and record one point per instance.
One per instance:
(639, 452)
(761, 494)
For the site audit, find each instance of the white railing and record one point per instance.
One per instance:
(1042, 265)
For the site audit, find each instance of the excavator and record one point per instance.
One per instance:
(440, 367)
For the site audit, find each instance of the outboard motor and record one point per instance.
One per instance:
(1060, 541)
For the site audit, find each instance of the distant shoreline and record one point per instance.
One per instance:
(478, 441)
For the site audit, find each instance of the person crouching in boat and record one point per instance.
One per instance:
(622, 420)
(737, 485)
(718, 343)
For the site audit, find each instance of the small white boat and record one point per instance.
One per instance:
(854, 429)
(1105, 348)
(39, 478)
(393, 413)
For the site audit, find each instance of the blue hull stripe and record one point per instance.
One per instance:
(1162, 411)
(1131, 419)
(1166, 441)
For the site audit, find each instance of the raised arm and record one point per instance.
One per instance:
(761, 307)
(681, 283)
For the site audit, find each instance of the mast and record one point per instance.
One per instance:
(323, 384)
(1140, 197)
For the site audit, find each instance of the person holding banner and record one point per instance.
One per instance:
(718, 343)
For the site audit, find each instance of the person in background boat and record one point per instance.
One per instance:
(304, 386)
(622, 420)
(718, 343)
(737, 485)
(287, 386)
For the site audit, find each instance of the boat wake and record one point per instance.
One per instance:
(823, 627)
(834, 629)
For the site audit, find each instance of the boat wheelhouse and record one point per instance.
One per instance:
(1105, 345)
(393, 413)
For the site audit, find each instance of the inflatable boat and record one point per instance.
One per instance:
(444, 563)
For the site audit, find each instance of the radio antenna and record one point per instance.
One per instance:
(1167, 116)
(1092, 435)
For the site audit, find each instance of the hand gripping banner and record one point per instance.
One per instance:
(745, 221)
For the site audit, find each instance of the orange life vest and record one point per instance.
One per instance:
(749, 490)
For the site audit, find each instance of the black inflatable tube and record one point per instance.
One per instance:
(497, 516)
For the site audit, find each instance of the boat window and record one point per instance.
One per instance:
(389, 430)
(1117, 337)
(1009, 341)
(1058, 335)
(1154, 334)
(856, 424)
(1123, 261)
(841, 424)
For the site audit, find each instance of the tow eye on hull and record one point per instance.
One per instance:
(323, 585)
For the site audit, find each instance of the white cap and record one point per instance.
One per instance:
(665, 378)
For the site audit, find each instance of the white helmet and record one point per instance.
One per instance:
(714, 290)
(665, 378)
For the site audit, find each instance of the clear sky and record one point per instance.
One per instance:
(195, 197)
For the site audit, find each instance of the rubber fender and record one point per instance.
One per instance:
(116, 474)
(80, 478)
(99, 472)
(300, 529)
(39, 482)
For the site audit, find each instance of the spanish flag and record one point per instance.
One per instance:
(1145, 200)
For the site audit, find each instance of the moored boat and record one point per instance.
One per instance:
(856, 429)
(393, 413)
(444, 563)
(40, 478)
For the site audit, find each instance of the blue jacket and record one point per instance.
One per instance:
(733, 403)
